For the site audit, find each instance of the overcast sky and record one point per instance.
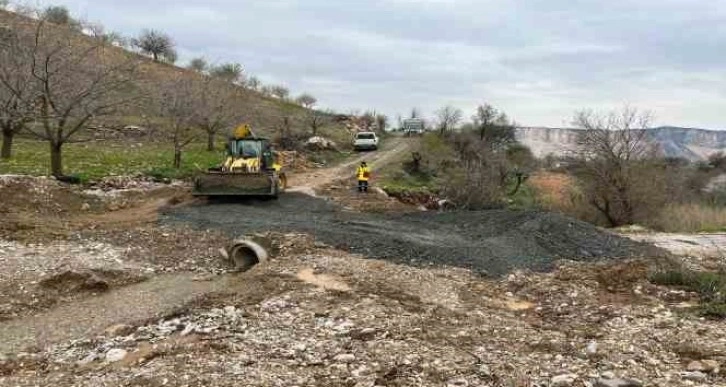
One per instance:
(538, 60)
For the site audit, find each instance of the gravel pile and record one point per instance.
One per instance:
(489, 242)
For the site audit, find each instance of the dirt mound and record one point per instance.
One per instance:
(40, 195)
(94, 281)
(37, 209)
(489, 242)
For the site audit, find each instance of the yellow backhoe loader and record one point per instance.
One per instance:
(252, 168)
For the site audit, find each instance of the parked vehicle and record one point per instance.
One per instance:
(413, 126)
(365, 141)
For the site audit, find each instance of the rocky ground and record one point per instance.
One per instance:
(105, 295)
(320, 316)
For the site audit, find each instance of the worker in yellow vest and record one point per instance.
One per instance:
(363, 174)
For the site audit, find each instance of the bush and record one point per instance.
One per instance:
(711, 287)
(692, 217)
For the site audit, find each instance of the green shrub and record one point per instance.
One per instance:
(711, 287)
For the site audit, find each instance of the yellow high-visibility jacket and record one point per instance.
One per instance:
(363, 173)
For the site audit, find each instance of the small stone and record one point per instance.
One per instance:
(564, 380)
(115, 355)
(711, 366)
(694, 376)
(189, 328)
(457, 383)
(361, 372)
(618, 383)
(119, 330)
(484, 370)
(204, 278)
(591, 348)
(608, 375)
(86, 207)
(695, 366)
(88, 359)
(344, 358)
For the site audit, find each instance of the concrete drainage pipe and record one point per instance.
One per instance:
(245, 254)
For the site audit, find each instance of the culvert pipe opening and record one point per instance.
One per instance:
(245, 254)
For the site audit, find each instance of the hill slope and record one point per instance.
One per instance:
(262, 112)
(689, 143)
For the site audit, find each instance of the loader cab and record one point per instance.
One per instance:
(252, 148)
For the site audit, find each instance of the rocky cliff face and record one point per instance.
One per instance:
(692, 144)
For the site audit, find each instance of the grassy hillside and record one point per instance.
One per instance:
(262, 112)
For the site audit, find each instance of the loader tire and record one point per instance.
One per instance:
(283, 182)
(276, 189)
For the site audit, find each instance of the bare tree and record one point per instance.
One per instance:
(215, 108)
(493, 127)
(199, 65)
(58, 14)
(315, 120)
(266, 91)
(157, 44)
(177, 105)
(170, 57)
(306, 100)
(230, 72)
(367, 120)
(280, 92)
(447, 119)
(614, 163)
(381, 122)
(254, 83)
(98, 31)
(415, 113)
(26, 10)
(71, 82)
(480, 171)
(15, 111)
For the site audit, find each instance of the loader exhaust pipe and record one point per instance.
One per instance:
(244, 254)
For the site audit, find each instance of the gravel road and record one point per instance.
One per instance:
(489, 242)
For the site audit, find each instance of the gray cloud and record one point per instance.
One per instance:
(537, 60)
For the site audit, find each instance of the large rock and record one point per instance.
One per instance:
(115, 355)
(618, 383)
(564, 380)
(696, 376)
(344, 358)
(706, 366)
(319, 143)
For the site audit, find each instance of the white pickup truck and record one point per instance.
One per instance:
(365, 141)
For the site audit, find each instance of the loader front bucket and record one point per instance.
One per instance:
(234, 184)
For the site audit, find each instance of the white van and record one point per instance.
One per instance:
(365, 141)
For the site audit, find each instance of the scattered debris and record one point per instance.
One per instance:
(320, 143)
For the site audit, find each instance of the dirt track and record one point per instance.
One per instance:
(312, 182)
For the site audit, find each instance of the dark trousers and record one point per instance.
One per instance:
(362, 186)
